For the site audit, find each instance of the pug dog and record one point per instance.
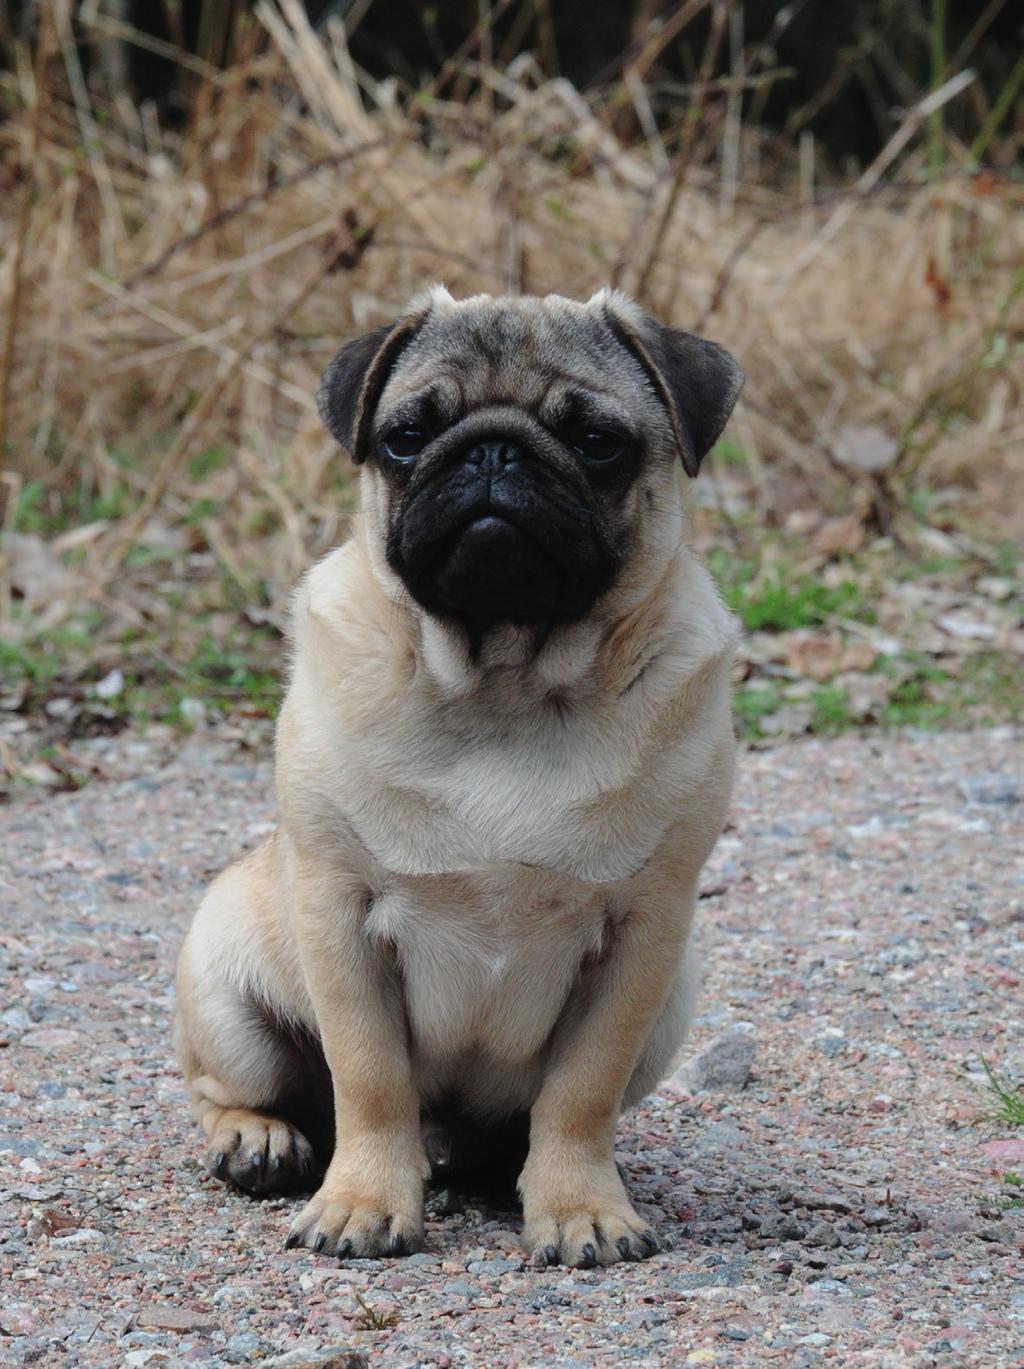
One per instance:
(505, 753)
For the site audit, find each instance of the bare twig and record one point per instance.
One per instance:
(913, 120)
(683, 158)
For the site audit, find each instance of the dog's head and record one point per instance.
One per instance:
(525, 451)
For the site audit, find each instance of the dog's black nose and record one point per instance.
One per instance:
(493, 454)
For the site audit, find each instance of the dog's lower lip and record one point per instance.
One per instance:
(491, 521)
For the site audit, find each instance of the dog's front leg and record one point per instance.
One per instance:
(575, 1207)
(371, 1200)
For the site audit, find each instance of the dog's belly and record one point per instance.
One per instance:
(488, 961)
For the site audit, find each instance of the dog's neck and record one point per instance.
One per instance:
(530, 662)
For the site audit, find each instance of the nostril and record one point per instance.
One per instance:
(493, 454)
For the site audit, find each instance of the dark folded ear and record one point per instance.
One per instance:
(353, 383)
(696, 380)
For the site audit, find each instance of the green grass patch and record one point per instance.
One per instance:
(831, 713)
(1008, 1101)
(751, 703)
(778, 601)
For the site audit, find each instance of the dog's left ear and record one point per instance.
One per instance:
(697, 381)
(353, 383)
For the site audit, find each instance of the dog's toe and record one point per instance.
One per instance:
(583, 1239)
(347, 1226)
(260, 1154)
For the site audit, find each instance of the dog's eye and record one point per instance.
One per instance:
(406, 442)
(598, 444)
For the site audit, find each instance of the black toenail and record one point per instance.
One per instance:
(219, 1159)
(551, 1254)
(649, 1242)
(294, 1239)
(623, 1247)
(320, 1242)
(344, 1250)
(588, 1257)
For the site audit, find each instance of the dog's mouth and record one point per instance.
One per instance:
(519, 549)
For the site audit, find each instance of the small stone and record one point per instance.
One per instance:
(331, 1357)
(818, 1338)
(61, 707)
(829, 1286)
(782, 1228)
(1000, 1232)
(831, 1042)
(167, 1318)
(991, 788)
(825, 1199)
(723, 1066)
(86, 1235)
(243, 1348)
(51, 1038)
(823, 1235)
(110, 686)
(496, 1266)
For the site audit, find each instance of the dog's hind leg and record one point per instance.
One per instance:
(249, 1106)
(258, 1086)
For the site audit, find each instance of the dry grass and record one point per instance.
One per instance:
(180, 293)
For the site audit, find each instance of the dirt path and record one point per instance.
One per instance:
(864, 915)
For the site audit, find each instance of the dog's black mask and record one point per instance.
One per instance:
(495, 524)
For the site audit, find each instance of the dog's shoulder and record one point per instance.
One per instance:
(674, 645)
(353, 647)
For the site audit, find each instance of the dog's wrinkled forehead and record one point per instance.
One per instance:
(671, 387)
(513, 351)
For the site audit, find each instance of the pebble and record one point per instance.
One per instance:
(51, 1038)
(781, 1227)
(495, 1267)
(723, 1066)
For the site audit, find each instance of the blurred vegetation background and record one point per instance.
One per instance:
(201, 199)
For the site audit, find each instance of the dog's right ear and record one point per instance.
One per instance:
(355, 379)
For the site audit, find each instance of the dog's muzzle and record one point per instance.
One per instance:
(500, 532)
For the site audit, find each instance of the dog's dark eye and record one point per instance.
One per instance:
(406, 442)
(598, 444)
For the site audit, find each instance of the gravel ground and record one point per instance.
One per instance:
(864, 929)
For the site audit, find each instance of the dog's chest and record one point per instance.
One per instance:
(488, 959)
(545, 798)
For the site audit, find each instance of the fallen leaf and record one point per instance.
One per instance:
(858, 656)
(816, 655)
(839, 535)
(964, 626)
(36, 570)
(865, 447)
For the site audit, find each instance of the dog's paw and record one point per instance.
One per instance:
(357, 1225)
(584, 1239)
(259, 1153)
(578, 1214)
